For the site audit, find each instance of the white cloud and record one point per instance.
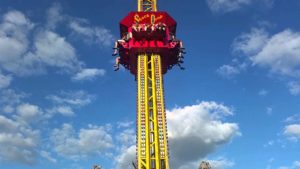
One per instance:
(54, 50)
(126, 157)
(10, 97)
(292, 131)
(294, 88)
(228, 71)
(293, 118)
(66, 101)
(279, 52)
(48, 156)
(224, 6)
(54, 16)
(49, 49)
(65, 110)
(75, 98)
(88, 74)
(18, 142)
(296, 164)
(8, 109)
(14, 30)
(251, 43)
(22, 55)
(5, 80)
(127, 137)
(201, 127)
(28, 113)
(231, 70)
(98, 35)
(88, 141)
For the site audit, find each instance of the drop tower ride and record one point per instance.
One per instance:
(149, 52)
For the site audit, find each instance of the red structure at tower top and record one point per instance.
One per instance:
(149, 32)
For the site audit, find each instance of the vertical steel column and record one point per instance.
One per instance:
(160, 111)
(142, 114)
(152, 145)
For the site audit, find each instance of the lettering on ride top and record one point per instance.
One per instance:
(148, 18)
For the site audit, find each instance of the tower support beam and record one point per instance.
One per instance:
(152, 145)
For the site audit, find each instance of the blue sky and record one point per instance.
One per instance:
(236, 105)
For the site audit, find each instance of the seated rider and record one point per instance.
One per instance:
(181, 51)
(161, 26)
(125, 38)
(136, 27)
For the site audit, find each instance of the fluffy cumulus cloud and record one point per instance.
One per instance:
(54, 16)
(11, 97)
(65, 102)
(127, 137)
(27, 48)
(126, 157)
(126, 140)
(98, 35)
(53, 50)
(88, 74)
(232, 70)
(63, 110)
(48, 156)
(228, 71)
(28, 113)
(251, 43)
(5, 80)
(75, 145)
(18, 142)
(280, 53)
(226, 5)
(200, 126)
(292, 131)
(14, 31)
(48, 49)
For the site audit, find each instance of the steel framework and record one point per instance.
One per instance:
(149, 53)
(152, 147)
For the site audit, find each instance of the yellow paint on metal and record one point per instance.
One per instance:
(147, 5)
(152, 148)
(142, 114)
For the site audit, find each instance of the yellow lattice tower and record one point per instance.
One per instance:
(152, 144)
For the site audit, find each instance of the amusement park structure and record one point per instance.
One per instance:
(148, 49)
